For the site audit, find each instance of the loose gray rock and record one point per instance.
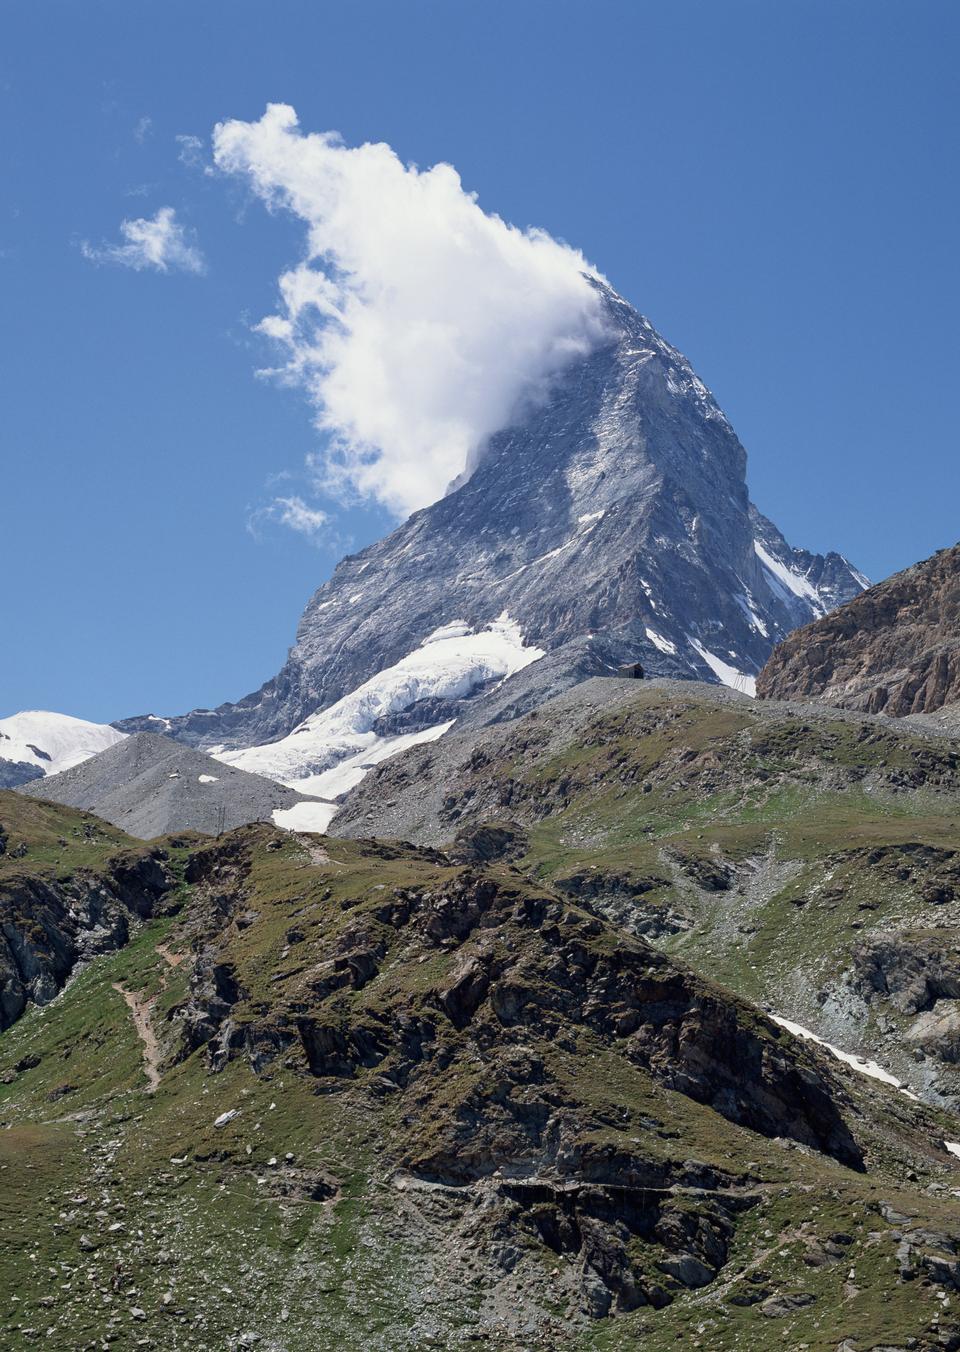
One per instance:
(151, 786)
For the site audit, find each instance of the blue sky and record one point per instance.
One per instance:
(774, 185)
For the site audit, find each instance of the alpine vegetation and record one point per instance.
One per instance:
(559, 953)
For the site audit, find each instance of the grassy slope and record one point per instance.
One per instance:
(797, 806)
(210, 1246)
(58, 840)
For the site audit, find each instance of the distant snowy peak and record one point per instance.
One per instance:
(414, 700)
(36, 743)
(782, 575)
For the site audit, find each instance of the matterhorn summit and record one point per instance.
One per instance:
(610, 524)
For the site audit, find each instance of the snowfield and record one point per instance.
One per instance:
(305, 816)
(728, 675)
(53, 742)
(332, 750)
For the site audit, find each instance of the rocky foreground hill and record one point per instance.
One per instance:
(286, 1092)
(807, 858)
(895, 649)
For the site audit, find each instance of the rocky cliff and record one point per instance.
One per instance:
(70, 891)
(384, 1100)
(894, 650)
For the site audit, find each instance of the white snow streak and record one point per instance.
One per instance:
(746, 604)
(858, 1063)
(347, 774)
(660, 642)
(792, 580)
(736, 680)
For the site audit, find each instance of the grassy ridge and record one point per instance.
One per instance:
(361, 1198)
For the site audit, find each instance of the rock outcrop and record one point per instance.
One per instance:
(893, 650)
(517, 958)
(48, 925)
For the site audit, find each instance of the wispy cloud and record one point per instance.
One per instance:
(191, 152)
(417, 323)
(143, 129)
(159, 242)
(293, 513)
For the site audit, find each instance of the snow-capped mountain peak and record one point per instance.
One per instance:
(612, 522)
(36, 742)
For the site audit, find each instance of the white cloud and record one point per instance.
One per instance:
(143, 129)
(418, 323)
(160, 242)
(292, 512)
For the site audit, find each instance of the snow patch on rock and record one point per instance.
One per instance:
(789, 577)
(305, 816)
(658, 641)
(858, 1063)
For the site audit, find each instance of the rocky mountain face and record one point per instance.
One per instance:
(894, 650)
(70, 891)
(612, 524)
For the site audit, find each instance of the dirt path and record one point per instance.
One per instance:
(141, 1009)
(317, 853)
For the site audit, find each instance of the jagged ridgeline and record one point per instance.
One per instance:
(309, 1094)
(612, 524)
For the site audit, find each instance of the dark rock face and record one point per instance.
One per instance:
(488, 841)
(624, 899)
(47, 925)
(912, 971)
(524, 961)
(15, 773)
(919, 974)
(894, 650)
(617, 511)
